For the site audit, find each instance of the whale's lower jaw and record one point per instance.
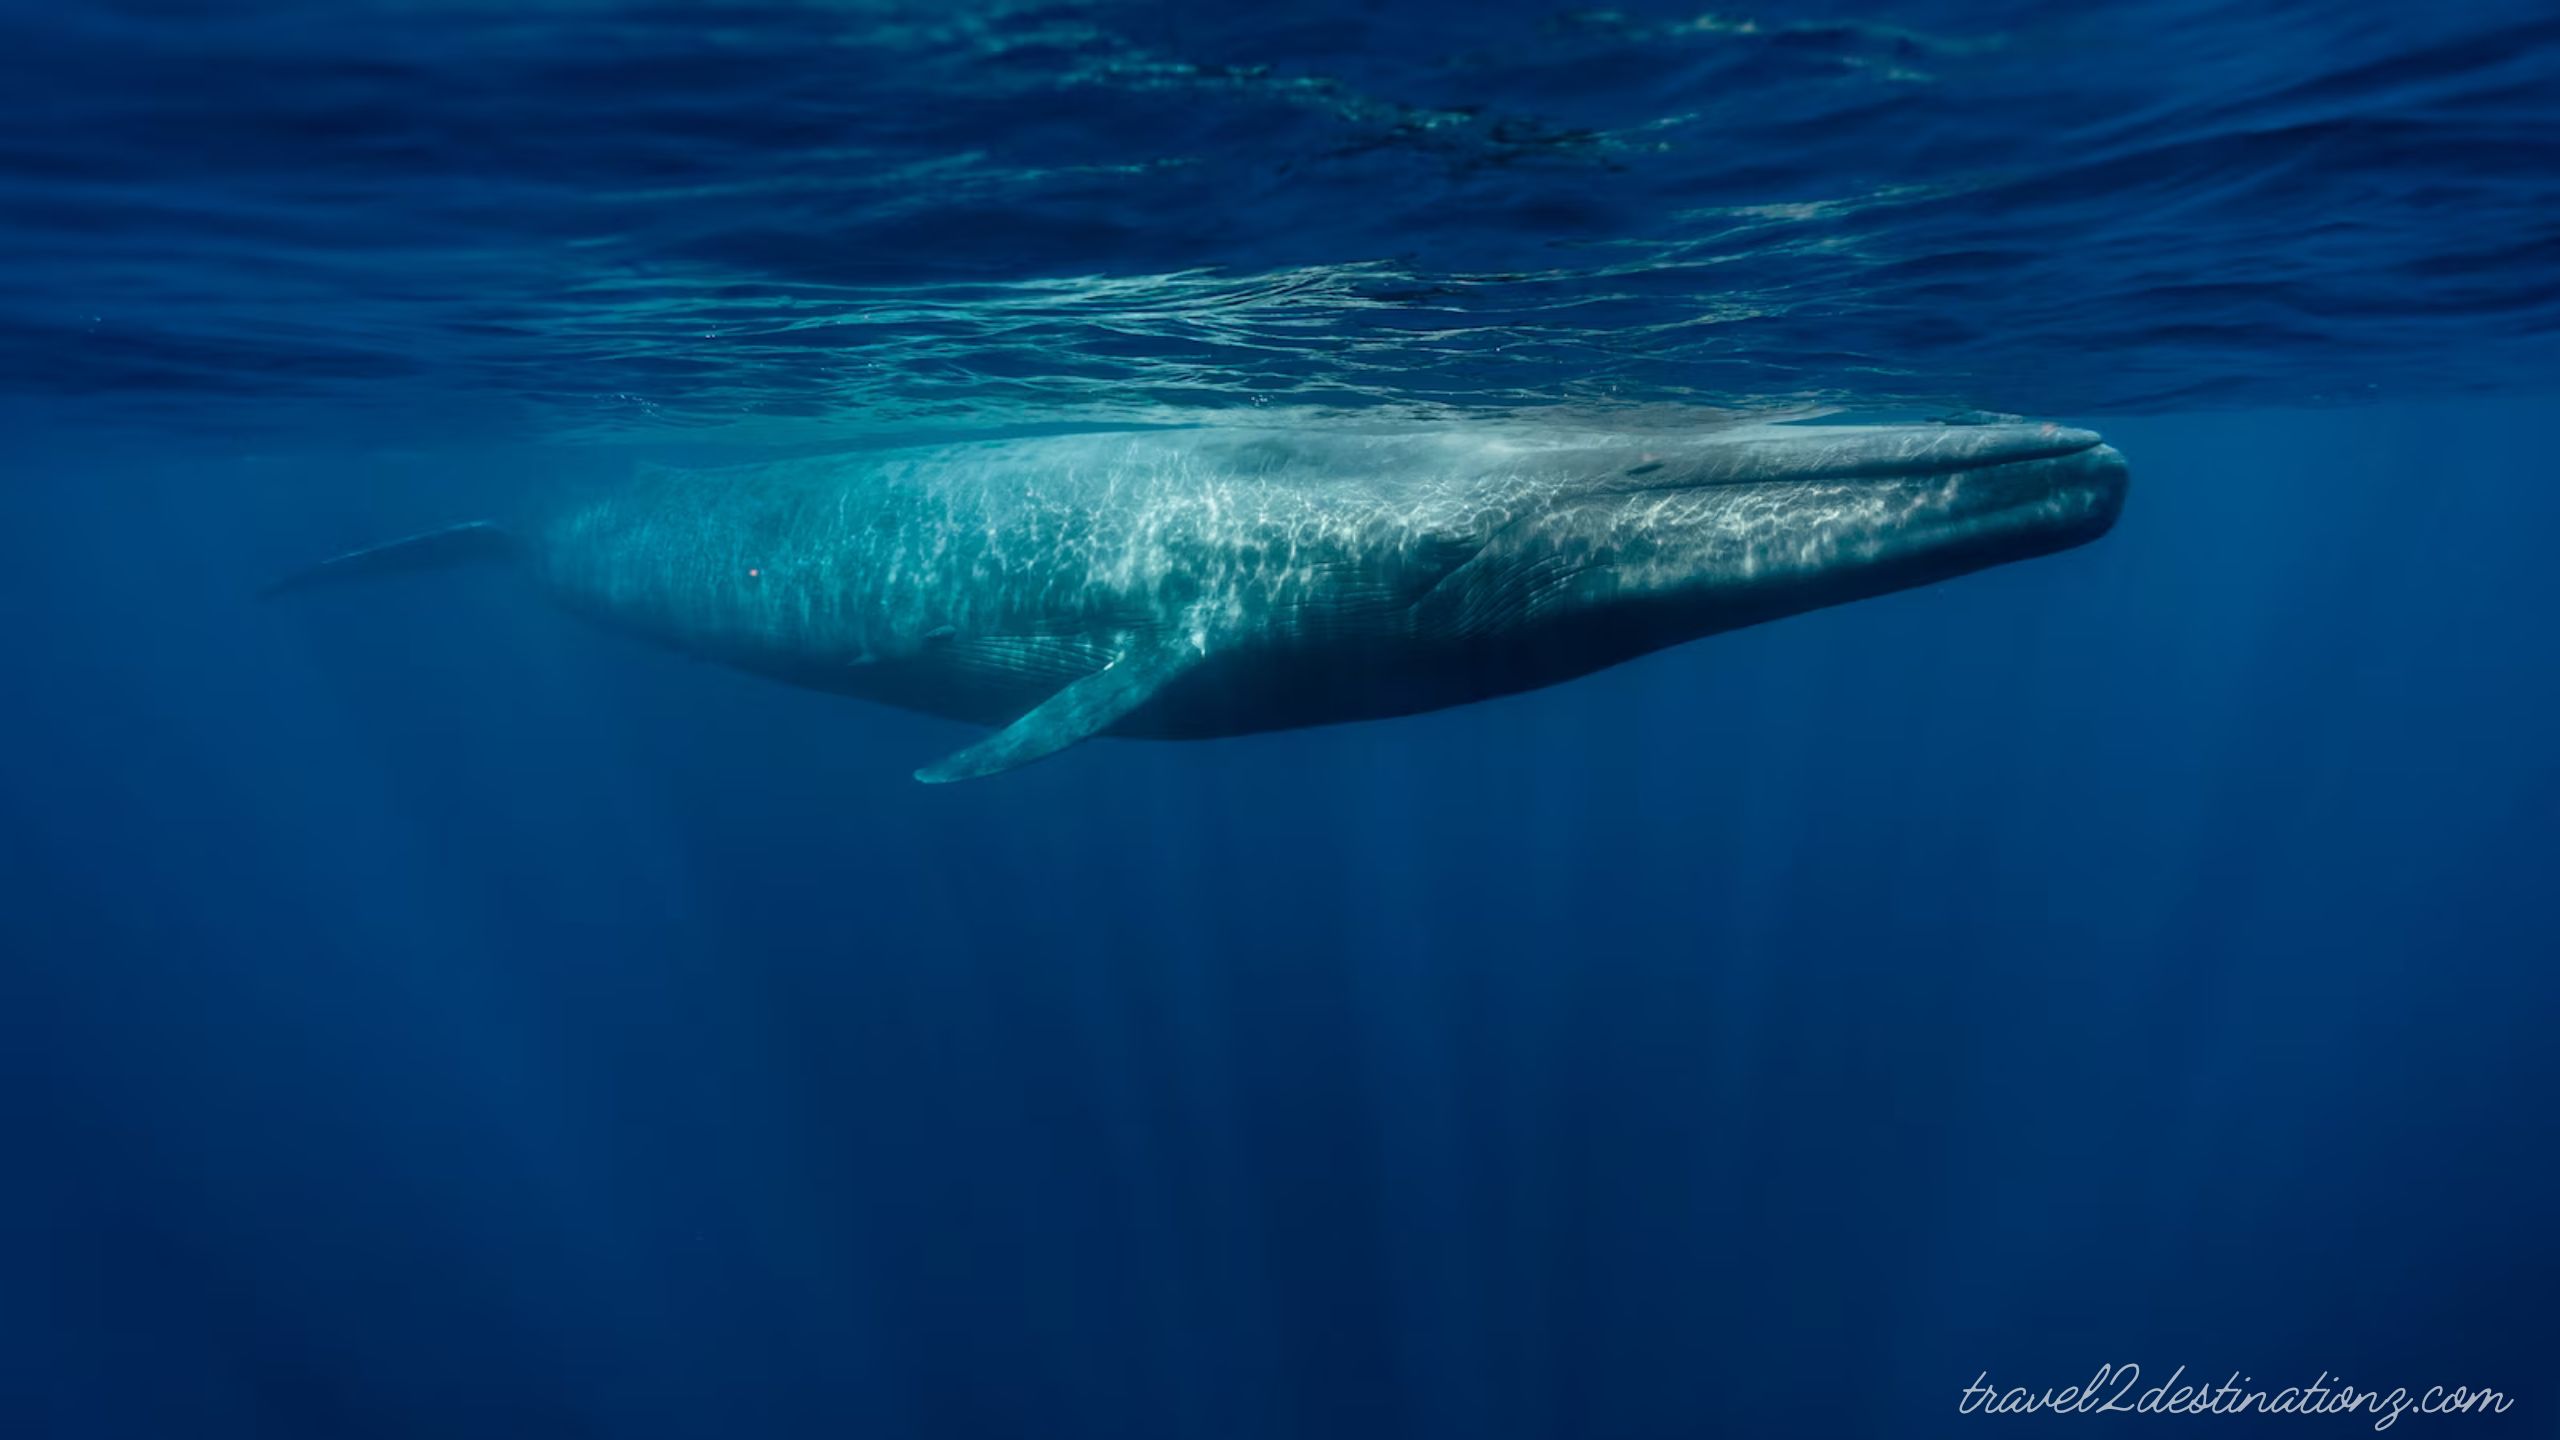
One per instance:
(1976, 519)
(1585, 588)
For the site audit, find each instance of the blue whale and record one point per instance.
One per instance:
(1220, 581)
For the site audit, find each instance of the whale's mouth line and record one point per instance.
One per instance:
(2082, 475)
(2041, 445)
(2065, 494)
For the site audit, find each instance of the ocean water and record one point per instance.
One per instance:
(422, 1015)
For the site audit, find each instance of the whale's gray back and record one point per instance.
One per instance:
(1070, 545)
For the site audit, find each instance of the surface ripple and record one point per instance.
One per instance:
(578, 220)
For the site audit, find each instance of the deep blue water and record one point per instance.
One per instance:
(423, 1015)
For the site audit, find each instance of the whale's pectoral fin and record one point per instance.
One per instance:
(1087, 707)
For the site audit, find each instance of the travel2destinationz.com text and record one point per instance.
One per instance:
(2116, 1390)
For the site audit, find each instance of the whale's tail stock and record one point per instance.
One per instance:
(475, 542)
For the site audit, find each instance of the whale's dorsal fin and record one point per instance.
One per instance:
(1085, 708)
(434, 550)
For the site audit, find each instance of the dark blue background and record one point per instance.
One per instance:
(429, 1017)
(420, 1015)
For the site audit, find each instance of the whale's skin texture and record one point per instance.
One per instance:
(1208, 582)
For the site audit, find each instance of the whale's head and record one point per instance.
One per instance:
(1663, 540)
